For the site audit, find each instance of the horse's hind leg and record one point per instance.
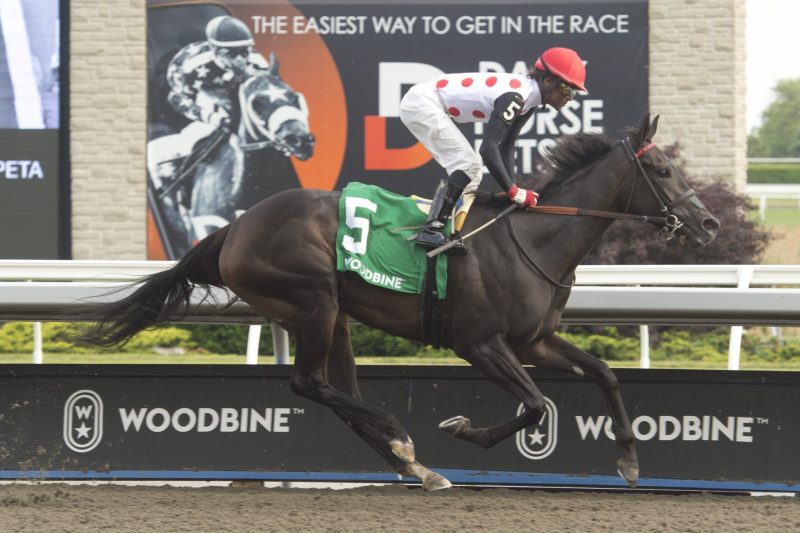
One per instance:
(323, 343)
(558, 354)
(495, 359)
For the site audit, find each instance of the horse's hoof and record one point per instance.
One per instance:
(403, 449)
(430, 480)
(454, 426)
(434, 482)
(629, 471)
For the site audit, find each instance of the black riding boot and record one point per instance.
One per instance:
(447, 193)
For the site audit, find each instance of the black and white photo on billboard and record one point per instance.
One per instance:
(223, 125)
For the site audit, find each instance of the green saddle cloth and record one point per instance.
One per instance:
(373, 240)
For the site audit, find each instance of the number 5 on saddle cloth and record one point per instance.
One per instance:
(375, 226)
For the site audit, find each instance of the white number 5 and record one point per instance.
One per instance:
(511, 110)
(352, 203)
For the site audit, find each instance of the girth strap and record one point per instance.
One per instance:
(431, 308)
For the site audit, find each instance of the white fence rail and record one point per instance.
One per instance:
(666, 294)
(765, 191)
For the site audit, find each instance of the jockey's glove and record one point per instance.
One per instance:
(523, 197)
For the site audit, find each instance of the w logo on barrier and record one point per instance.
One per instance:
(539, 441)
(83, 421)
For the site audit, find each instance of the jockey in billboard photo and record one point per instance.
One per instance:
(204, 77)
(505, 102)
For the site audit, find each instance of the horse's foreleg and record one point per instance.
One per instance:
(495, 359)
(323, 343)
(558, 354)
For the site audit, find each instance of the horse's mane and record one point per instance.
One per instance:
(570, 155)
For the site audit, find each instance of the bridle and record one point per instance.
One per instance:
(670, 222)
(666, 204)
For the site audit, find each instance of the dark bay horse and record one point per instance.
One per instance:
(504, 302)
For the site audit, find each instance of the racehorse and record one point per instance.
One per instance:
(231, 171)
(504, 298)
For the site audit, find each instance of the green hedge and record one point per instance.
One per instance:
(773, 173)
(702, 344)
(17, 337)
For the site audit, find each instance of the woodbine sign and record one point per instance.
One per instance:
(698, 429)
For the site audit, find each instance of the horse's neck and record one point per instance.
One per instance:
(563, 241)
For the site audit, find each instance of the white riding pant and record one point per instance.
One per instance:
(422, 111)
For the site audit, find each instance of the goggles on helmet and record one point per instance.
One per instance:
(568, 90)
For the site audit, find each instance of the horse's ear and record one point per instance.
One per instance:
(644, 129)
(653, 127)
(274, 66)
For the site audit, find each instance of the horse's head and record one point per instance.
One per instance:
(659, 187)
(274, 115)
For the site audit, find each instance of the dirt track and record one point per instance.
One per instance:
(58, 507)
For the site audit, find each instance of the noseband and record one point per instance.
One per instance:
(672, 223)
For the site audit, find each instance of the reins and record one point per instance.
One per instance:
(522, 250)
(579, 211)
(670, 223)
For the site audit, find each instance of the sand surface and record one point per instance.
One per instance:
(61, 507)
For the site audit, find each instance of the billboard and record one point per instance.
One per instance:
(34, 182)
(339, 70)
(694, 429)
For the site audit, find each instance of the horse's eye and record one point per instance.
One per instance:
(663, 172)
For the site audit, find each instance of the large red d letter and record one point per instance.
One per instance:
(378, 157)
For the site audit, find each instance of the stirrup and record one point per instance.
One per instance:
(459, 249)
(431, 238)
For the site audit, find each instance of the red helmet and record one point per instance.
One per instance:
(565, 64)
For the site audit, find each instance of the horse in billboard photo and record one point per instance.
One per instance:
(227, 172)
(504, 298)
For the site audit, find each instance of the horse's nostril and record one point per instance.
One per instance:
(711, 224)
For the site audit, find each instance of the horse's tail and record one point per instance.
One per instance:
(159, 297)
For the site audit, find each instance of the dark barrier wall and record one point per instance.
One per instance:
(187, 421)
(351, 62)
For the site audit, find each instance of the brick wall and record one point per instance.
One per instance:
(697, 85)
(108, 96)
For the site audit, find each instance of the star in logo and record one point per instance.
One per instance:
(83, 431)
(538, 441)
(275, 93)
(536, 437)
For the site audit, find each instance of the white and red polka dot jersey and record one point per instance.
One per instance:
(470, 97)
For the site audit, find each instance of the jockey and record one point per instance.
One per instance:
(204, 77)
(504, 102)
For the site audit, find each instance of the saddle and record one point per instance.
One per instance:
(375, 241)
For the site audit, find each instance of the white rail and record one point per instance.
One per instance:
(765, 191)
(622, 275)
(651, 294)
